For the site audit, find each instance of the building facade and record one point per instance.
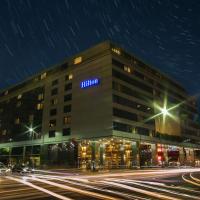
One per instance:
(102, 107)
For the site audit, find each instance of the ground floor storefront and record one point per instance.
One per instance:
(105, 153)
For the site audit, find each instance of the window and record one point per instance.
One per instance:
(132, 81)
(78, 60)
(6, 92)
(122, 127)
(19, 103)
(69, 77)
(19, 96)
(53, 112)
(54, 101)
(127, 69)
(54, 91)
(55, 82)
(52, 133)
(40, 96)
(43, 76)
(124, 114)
(31, 118)
(68, 97)
(17, 120)
(142, 131)
(67, 120)
(67, 108)
(4, 132)
(68, 86)
(39, 106)
(131, 92)
(52, 123)
(117, 51)
(66, 131)
(126, 102)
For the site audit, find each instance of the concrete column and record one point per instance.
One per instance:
(135, 154)
(44, 155)
(181, 156)
(102, 154)
(122, 162)
(154, 154)
(24, 154)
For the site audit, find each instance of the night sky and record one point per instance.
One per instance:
(35, 34)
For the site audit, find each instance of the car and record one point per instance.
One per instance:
(4, 170)
(22, 169)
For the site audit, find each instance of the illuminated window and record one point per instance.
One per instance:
(54, 101)
(117, 51)
(19, 96)
(39, 106)
(40, 96)
(17, 120)
(78, 60)
(67, 120)
(43, 76)
(31, 117)
(4, 132)
(19, 103)
(52, 123)
(69, 77)
(6, 92)
(127, 69)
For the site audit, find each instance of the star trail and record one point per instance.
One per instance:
(36, 34)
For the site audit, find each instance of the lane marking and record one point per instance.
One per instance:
(39, 188)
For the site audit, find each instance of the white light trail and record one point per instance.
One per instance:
(39, 188)
(194, 178)
(145, 192)
(84, 192)
(158, 189)
(189, 181)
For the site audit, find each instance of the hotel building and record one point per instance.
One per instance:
(102, 107)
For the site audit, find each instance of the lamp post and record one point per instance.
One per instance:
(31, 132)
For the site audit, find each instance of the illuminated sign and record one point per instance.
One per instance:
(89, 83)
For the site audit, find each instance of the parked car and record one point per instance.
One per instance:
(22, 169)
(4, 170)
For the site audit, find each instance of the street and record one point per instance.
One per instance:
(171, 184)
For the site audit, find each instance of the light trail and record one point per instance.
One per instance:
(87, 193)
(39, 188)
(157, 172)
(95, 188)
(153, 194)
(158, 189)
(189, 181)
(167, 186)
(194, 178)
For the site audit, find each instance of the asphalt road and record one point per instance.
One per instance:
(172, 184)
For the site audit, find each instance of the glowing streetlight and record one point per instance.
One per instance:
(164, 111)
(30, 129)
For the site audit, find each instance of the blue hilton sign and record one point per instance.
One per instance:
(89, 83)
